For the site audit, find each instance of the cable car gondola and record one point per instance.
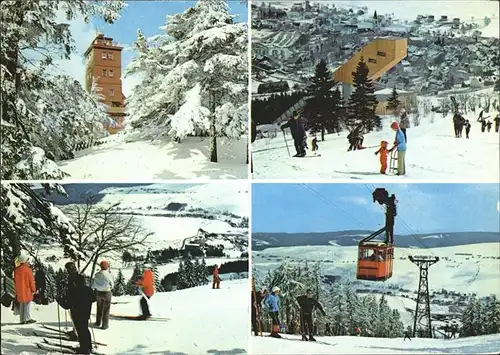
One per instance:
(375, 258)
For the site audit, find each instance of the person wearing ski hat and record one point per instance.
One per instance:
(216, 278)
(400, 144)
(257, 308)
(383, 156)
(103, 285)
(64, 300)
(148, 289)
(24, 283)
(273, 303)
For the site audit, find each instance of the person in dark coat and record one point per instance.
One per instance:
(41, 285)
(257, 309)
(467, 128)
(298, 131)
(461, 123)
(456, 120)
(497, 122)
(483, 126)
(328, 330)
(355, 138)
(489, 124)
(307, 305)
(407, 335)
(80, 299)
(63, 300)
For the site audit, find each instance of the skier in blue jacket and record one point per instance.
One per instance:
(400, 144)
(273, 303)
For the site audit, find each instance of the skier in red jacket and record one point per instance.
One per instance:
(216, 280)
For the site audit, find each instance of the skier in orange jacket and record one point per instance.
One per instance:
(216, 280)
(24, 283)
(148, 289)
(383, 156)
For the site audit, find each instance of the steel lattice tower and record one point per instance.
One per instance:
(423, 309)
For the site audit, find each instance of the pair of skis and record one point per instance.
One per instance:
(54, 346)
(257, 313)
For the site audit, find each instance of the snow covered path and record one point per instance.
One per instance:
(433, 153)
(488, 344)
(126, 157)
(202, 321)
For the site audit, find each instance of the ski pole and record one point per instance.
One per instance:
(286, 143)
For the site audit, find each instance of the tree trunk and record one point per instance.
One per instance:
(248, 153)
(323, 132)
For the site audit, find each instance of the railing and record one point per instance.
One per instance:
(112, 109)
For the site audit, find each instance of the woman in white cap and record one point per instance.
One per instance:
(24, 282)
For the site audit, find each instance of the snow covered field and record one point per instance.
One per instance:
(433, 153)
(488, 344)
(128, 157)
(201, 321)
(460, 273)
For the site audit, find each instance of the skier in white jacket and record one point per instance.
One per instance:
(103, 285)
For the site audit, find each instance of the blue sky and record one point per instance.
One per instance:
(422, 208)
(145, 15)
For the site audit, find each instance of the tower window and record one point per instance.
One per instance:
(110, 72)
(371, 60)
(110, 56)
(104, 72)
(381, 54)
(104, 55)
(111, 92)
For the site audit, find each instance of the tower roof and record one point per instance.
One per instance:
(101, 41)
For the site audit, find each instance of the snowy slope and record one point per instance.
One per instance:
(202, 321)
(433, 153)
(132, 159)
(488, 344)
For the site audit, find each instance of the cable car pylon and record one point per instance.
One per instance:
(422, 308)
(375, 258)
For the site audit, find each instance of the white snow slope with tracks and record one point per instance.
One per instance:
(488, 344)
(201, 321)
(433, 153)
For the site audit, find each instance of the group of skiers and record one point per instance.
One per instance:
(77, 297)
(306, 304)
(487, 124)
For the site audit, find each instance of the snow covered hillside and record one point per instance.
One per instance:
(127, 158)
(488, 344)
(433, 153)
(174, 217)
(472, 268)
(201, 321)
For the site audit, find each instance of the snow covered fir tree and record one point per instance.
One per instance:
(44, 115)
(195, 77)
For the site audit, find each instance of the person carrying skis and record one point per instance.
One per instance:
(328, 330)
(404, 122)
(103, 285)
(314, 144)
(80, 298)
(298, 131)
(216, 277)
(148, 290)
(355, 138)
(483, 125)
(307, 304)
(407, 335)
(400, 144)
(257, 308)
(461, 123)
(467, 128)
(383, 156)
(24, 282)
(272, 301)
(456, 119)
(41, 285)
(358, 331)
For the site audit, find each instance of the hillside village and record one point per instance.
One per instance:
(443, 53)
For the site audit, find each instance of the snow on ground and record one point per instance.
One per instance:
(460, 273)
(488, 344)
(202, 321)
(433, 153)
(128, 157)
